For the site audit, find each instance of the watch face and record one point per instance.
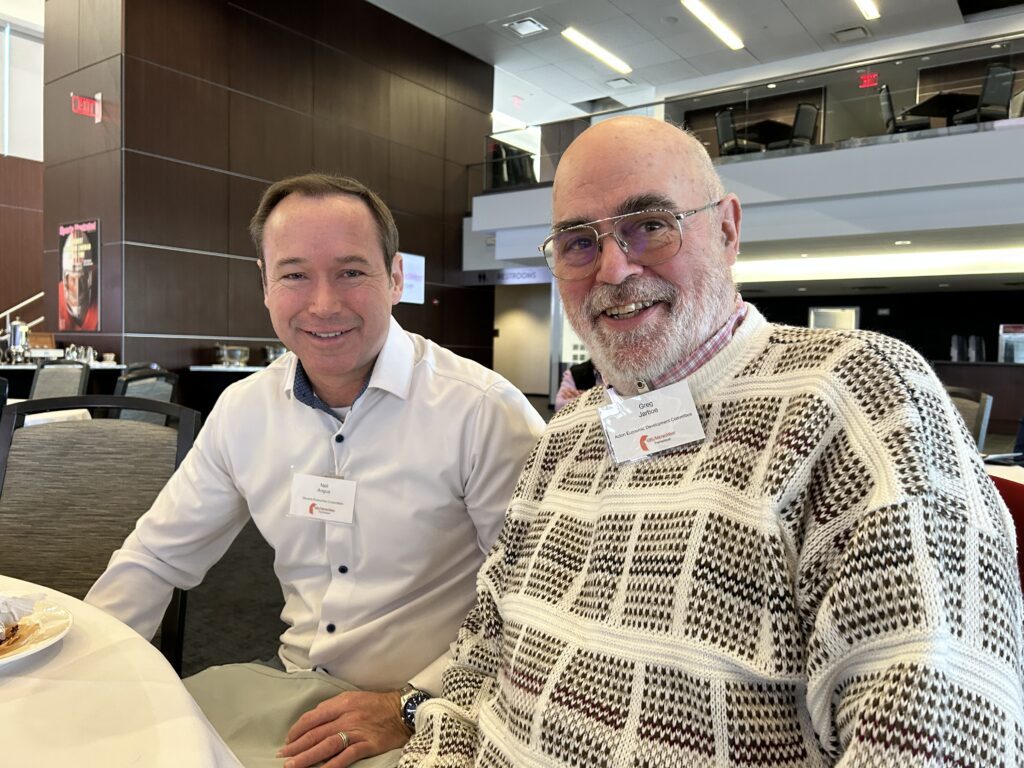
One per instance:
(410, 707)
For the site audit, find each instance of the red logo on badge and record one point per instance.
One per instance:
(643, 443)
(312, 507)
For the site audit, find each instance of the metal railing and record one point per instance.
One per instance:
(6, 314)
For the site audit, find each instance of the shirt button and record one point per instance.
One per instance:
(331, 627)
(339, 438)
(342, 569)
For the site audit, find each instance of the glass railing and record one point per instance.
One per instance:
(922, 95)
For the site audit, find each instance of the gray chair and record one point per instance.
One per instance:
(150, 384)
(975, 409)
(804, 122)
(994, 101)
(728, 142)
(898, 123)
(71, 491)
(59, 378)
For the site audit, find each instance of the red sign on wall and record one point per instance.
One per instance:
(869, 80)
(83, 105)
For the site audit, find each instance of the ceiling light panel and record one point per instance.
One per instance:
(868, 8)
(580, 40)
(708, 18)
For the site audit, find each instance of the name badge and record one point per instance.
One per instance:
(329, 499)
(639, 426)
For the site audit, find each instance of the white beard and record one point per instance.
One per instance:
(648, 351)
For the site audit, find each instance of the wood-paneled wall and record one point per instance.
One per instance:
(218, 100)
(21, 233)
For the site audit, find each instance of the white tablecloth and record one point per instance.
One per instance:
(101, 696)
(1009, 473)
(70, 414)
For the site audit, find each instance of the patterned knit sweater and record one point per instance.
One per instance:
(828, 579)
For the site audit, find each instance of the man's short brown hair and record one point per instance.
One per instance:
(325, 185)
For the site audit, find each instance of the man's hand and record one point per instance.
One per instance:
(372, 722)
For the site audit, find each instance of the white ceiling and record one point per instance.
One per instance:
(538, 79)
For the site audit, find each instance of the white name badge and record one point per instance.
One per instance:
(636, 427)
(329, 499)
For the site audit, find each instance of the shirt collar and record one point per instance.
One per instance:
(392, 372)
(705, 351)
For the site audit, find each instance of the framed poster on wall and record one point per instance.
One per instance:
(78, 294)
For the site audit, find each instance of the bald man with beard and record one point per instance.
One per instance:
(759, 546)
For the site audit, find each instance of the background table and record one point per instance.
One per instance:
(102, 696)
(944, 104)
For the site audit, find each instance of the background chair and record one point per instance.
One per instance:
(1013, 497)
(59, 378)
(143, 366)
(71, 491)
(994, 101)
(901, 123)
(728, 143)
(150, 384)
(3, 393)
(975, 408)
(804, 122)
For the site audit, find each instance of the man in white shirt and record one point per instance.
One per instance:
(377, 465)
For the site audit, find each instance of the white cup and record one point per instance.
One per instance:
(108, 357)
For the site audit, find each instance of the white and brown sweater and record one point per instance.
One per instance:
(828, 579)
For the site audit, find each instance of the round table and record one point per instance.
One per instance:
(101, 696)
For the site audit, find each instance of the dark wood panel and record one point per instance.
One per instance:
(168, 203)
(416, 182)
(417, 55)
(466, 134)
(247, 316)
(355, 27)
(417, 117)
(87, 188)
(456, 193)
(467, 315)
(111, 283)
(452, 251)
(270, 62)
(175, 292)
(175, 115)
(21, 182)
(424, 319)
(267, 141)
(21, 256)
(1005, 382)
(470, 80)
(170, 353)
(298, 17)
(66, 135)
(243, 197)
(350, 152)
(187, 35)
(351, 92)
(99, 30)
(60, 54)
(423, 236)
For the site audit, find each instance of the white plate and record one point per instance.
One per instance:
(49, 623)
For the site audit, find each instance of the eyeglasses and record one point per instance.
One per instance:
(646, 237)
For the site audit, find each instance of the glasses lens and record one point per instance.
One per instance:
(652, 236)
(571, 251)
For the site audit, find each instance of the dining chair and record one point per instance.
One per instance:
(994, 101)
(144, 365)
(728, 142)
(1013, 496)
(71, 491)
(898, 123)
(975, 409)
(153, 385)
(59, 378)
(804, 122)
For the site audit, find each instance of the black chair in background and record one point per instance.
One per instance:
(3, 393)
(143, 366)
(153, 385)
(804, 122)
(71, 491)
(975, 409)
(59, 378)
(898, 123)
(728, 142)
(994, 101)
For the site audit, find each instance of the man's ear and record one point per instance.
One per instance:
(397, 278)
(730, 213)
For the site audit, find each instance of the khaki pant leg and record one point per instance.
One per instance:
(252, 706)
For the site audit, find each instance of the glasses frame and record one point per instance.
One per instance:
(677, 215)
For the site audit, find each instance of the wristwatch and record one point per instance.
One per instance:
(411, 699)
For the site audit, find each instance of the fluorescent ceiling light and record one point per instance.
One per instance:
(868, 8)
(576, 37)
(996, 261)
(707, 17)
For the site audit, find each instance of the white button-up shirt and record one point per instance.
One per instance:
(435, 444)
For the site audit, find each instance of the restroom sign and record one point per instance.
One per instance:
(90, 107)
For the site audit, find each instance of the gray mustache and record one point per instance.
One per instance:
(630, 292)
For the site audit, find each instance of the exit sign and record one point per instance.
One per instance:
(90, 107)
(869, 80)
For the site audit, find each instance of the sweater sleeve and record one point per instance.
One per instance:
(909, 583)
